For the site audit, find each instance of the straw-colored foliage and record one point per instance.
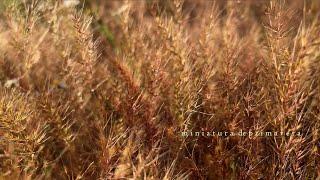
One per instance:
(104, 89)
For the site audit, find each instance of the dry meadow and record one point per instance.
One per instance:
(115, 89)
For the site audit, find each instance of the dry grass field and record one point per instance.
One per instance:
(160, 89)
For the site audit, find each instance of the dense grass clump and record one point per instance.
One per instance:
(135, 89)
